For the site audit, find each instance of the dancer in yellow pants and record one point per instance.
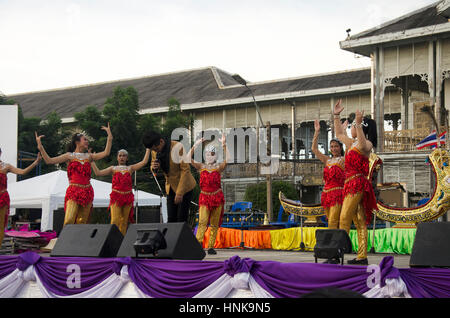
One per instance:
(211, 200)
(359, 197)
(79, 194)
(121, 197)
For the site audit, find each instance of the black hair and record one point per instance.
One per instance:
(370, 131)
(151, 138)
(340, 144)
(72, 146)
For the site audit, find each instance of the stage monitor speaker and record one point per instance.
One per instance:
(332, 243)
(181, 242)
(88, 240)
(431, 246)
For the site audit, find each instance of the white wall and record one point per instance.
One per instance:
(8, 136)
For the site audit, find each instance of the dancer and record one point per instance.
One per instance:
(334, 177)
(6, 168)
(359, 197)
(121, 197)
(167, 155)
(79, 194)
(211, 200)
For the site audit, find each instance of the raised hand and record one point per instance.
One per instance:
(223, 140)
(316, 125)
(359, 117)
(38, 139)
(199, 141)
(338, 108)
(107, 129)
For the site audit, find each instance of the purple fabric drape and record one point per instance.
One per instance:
(7, 265)
(172, 278)
(427, 282)
(183, 279)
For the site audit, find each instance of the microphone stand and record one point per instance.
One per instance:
(136, 207)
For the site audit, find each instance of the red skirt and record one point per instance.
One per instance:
(122, 199)
(331, 197)
(82, 195)
(4, 201)
(358, 184)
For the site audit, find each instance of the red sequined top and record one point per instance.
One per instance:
(80, 189)
(4, 196)
(211, 194)
(356, 172)
(122, 186)
(334, 177)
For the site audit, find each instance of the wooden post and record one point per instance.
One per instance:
(269, 175)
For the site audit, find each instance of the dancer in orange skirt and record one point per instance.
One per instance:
(121, 197)
(6, 168)
(359, 197)
(211, 201)
(79, 194)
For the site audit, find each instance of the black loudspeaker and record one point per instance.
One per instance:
(180, 242)
(88, 240)
(332, 244)
(431, 245)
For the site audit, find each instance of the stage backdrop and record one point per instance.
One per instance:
(9, 129)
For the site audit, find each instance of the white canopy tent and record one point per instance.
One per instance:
(47, 192)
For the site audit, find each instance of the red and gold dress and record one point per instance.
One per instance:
(122, 189)
(4, 196)
(334, 177)
(211, 202)
(356, 172)
(79, 173)
(211, 195)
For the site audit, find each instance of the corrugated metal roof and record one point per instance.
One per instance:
(188, 87)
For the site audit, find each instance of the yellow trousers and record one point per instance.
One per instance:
(120, 215)
(333, 214)
(352, 210)
(214, 219)
(2, 223)
(76, 214)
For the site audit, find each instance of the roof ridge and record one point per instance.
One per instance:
(309, 76)
(111, 82)
(387, 23)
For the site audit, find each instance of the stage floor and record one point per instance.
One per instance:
(400, 261)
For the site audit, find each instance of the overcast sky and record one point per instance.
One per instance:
(52, 44)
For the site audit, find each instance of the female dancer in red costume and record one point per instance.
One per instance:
(121, 197)
(359, 197)
(4, 196)
(211, 200)
(79, 194)
(334, 177)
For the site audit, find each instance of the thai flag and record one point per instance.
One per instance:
(431, 140)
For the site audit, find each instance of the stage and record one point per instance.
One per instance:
(400, 261)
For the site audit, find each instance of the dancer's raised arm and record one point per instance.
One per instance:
(107, 151)
(19, 171)
(141, 164)
(338, 127)
(49, 160)
(363, 144)
(100, 173)
(315, 144)
(227, 155)
(195, 164)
